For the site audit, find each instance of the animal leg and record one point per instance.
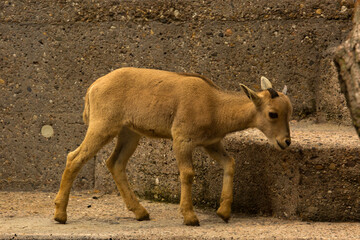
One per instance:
(125, 147)
(75, 161)
(183, 152)
(217, 152)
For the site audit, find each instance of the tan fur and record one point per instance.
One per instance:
(189, 109)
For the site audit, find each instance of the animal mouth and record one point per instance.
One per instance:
(280, 145)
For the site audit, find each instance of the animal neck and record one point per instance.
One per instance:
(236, 112)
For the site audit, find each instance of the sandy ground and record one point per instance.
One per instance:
(92, 215)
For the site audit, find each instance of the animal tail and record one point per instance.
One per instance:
(86, 112)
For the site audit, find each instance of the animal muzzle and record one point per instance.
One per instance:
(283, 143)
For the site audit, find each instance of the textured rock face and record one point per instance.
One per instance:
(347, 60)
(51, 51)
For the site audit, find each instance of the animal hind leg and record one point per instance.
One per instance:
(217, 152)
(92, 143)
(126, 144)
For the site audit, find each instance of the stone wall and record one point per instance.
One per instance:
(51, 51)
(347, 61)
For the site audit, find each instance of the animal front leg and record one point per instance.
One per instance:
(217, 152)
(183, 155)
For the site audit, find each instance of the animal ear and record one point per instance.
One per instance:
(251, 95)
(284, 91)
(265, 83)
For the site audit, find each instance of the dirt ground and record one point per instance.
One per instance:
(92, 215)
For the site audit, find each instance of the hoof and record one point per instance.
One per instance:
(143, 218)
(60, 218)
(142, 215)
(191, 221)
(224, 214)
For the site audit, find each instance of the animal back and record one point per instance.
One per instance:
(205, 79)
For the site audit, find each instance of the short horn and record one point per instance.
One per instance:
(284, 91)
(265, 83)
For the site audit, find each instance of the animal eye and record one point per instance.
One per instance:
(273, 115)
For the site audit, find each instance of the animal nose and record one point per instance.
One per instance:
(288, 142)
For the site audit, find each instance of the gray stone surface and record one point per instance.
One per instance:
(51, 51)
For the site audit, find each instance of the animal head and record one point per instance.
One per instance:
(273, 112)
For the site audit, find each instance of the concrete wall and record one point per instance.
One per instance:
(51, 51)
